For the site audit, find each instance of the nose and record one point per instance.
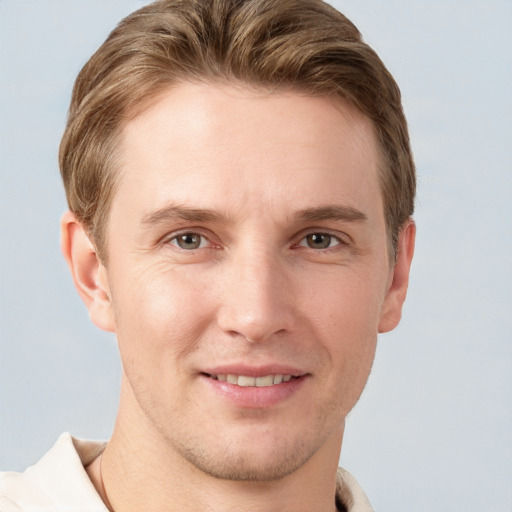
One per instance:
(256, 299)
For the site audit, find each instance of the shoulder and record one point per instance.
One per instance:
(58, 482)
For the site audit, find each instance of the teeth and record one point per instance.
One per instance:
(278, 379)
(247, 381)
(232, 379)
(263, 382)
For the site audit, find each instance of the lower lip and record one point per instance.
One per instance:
(252, 397)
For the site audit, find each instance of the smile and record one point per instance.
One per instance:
(248, 381)
(254, 388)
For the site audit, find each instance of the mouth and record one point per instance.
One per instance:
(246, 381)
(254, 388)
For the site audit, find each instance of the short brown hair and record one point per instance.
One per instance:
(275, 44)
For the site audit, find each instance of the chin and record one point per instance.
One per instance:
(258, 462)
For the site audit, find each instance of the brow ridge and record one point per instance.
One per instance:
(331, 212)
(182, 212)
(316, 214)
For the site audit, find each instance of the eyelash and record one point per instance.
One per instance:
(303, 242)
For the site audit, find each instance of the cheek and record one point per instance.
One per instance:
(347, 304)
(159, 314)
(346, 319)
(353, 339)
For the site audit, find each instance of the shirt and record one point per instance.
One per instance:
(59, 483)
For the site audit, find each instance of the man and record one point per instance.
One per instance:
(241, 187)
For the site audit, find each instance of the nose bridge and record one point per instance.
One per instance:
(256, 299)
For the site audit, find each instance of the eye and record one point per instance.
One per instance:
(319, 241)
(189, 241)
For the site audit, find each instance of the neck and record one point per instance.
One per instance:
(141, 471)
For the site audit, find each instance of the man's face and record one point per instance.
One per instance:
(248, 274)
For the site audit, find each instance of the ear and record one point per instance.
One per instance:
(88, 273)
(395, 296)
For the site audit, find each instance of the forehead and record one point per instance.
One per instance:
(195, 142)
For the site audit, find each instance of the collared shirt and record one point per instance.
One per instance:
(59, 483)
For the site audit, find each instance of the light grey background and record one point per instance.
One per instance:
(434, 428)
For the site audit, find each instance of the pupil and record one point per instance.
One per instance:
(189, 241)
(319, 241)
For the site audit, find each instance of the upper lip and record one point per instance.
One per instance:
(254, 371)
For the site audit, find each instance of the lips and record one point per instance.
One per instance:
(251, 387)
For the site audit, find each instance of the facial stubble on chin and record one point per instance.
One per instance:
(222, 460)
(241, 465)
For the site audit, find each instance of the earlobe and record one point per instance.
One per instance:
(87, 271)
(397, 291)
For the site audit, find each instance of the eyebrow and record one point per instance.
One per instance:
(185, 213)
(331, 212)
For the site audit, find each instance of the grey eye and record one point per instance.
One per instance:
(319, 241)
(188, 241)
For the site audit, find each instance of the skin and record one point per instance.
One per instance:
(292, 271)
